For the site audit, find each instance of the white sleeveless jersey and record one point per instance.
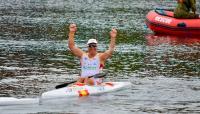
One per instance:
(89, 66)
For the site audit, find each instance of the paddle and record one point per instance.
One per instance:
(100, 75)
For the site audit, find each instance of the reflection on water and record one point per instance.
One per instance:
(173, 55)
(34, 56)
(158, 39)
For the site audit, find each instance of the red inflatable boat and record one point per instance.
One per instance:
(162, 21)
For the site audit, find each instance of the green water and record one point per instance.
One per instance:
(34, 56)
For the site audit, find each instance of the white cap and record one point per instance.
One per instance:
(92, 41)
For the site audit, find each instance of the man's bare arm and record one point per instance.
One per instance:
(71, 44)
(108, 53)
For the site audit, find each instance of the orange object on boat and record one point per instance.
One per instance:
(162, 21)
(83, 93)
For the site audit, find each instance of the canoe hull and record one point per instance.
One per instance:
(66, 94)
(85, 90)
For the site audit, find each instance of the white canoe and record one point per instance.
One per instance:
(84, 90)
(66, 92)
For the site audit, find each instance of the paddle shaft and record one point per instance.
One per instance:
(100, 75)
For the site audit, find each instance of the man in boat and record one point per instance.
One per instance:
(183, 9)
(92, 62)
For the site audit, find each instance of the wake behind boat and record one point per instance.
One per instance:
(5, 101)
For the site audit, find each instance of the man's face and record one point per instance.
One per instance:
(92, 47)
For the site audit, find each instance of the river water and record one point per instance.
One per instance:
(34, 57)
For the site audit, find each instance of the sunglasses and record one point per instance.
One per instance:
(92, 45)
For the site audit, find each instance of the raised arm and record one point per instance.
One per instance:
(108, 53)
(75, 50)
